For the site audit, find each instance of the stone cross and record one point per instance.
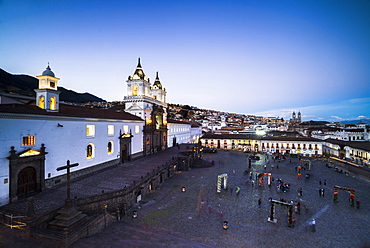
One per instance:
(68, 201)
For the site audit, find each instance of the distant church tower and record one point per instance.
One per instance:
(47, 94)
(295, 118)
(149, 103)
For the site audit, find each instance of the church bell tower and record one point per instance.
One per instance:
(47, 94)
(149, 103)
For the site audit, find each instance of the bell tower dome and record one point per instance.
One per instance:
(47, 94)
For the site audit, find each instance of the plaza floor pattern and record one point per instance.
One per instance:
(169, 217)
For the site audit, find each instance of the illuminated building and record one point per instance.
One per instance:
(40, 137)
(149, 103)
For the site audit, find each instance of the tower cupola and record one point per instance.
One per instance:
(139, 73)
(157, 82)
(47, 94)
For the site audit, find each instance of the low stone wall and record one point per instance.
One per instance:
(126, 198)
(351, 168)
(83, 172)
(119, 202)
(95, 224)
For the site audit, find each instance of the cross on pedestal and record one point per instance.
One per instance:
(68, 201)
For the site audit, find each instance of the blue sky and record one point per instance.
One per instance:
(250, 57)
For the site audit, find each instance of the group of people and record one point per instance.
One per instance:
(282, 186)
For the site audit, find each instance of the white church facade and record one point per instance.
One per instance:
(37, 139)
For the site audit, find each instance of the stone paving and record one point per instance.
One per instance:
(194, 218)
(171, 218)
(108, 180)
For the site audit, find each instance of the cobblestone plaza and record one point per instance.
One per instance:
(169, 217)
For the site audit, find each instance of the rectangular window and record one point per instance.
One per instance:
(90, 131)
(125, 128)
(28, 140)
(110, 130)
(137, 129)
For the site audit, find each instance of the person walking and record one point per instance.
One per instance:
(259, 203)
(324, 181)
(298, 208)
(358, 204)
(313, 225)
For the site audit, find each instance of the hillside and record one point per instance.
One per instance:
(25, 85)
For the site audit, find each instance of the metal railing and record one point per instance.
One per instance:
(14, 221)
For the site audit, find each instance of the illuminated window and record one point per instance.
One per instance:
(90, 151)
(137, 129)
(125, 128)
(52, 84)
(41, 103)
(134, 91)
(110, 130)
(155, 97)
(28, 140)
(90, 131)
(53, 103)
(110, 147)
(148, 120)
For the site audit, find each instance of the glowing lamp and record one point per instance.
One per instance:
(134, 214)
(225, 225)
(183, 189)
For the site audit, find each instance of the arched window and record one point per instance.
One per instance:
(90, 151)
(110, 147)
(53, 103)
(41, 102)
(134, 91)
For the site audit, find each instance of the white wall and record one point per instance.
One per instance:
(180, 131)
(62, 143)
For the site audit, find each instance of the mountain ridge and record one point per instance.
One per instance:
(24, 85)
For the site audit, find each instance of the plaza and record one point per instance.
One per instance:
(170, 217)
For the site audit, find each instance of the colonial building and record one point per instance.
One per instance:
(304, 146)
(149, 103)
(354, 151)
(38, 138)
(180, 132)
(360, 132)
